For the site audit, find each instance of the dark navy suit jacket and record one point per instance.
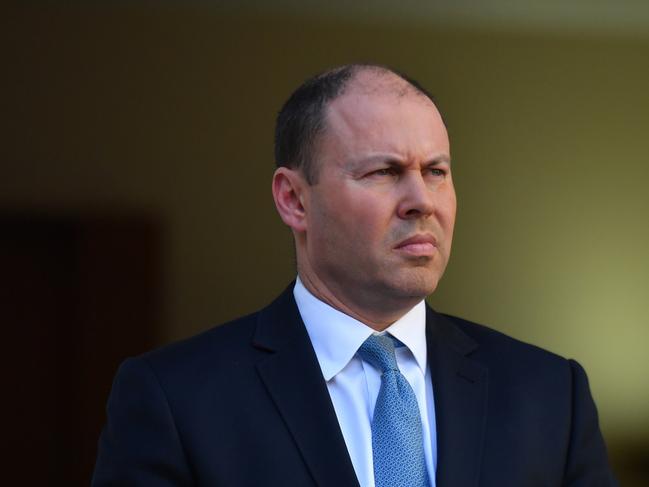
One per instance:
(245, 404)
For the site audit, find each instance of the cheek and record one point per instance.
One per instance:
(352, 219)
(366, 219)
(447, 209)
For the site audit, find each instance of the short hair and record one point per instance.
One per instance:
(301, 119)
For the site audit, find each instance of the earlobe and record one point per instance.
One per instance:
(288, 193)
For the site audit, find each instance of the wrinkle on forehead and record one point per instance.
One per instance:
(365, 127)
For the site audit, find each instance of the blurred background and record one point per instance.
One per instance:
(135, 201)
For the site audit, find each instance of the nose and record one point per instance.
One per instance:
(417, 198)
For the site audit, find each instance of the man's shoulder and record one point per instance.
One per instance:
(502, 351)
(196, 368)
(226, 347)
(516, 370)
(220, 344)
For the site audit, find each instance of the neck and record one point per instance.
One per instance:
(376, 316)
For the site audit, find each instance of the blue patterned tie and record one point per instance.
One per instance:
(397, 441)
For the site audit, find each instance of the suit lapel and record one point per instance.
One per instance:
(292, 375)
(460, 389)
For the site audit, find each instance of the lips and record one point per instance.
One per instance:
(418, 245)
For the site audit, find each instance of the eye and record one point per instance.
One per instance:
(384, 171)
(437, 171)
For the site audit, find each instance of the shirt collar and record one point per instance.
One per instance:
(336, 337)
(410, 330)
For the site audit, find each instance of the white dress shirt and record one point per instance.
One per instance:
(354, 384)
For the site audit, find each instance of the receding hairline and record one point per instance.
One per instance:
(374, 78)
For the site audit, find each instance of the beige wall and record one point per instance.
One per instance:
(171, 111)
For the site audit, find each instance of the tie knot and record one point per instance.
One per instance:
(378, 350)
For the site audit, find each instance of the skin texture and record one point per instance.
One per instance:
(373, 235)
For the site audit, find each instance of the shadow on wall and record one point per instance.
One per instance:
(78, 294)
(630, 461)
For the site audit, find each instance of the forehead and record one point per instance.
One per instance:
(384, 112)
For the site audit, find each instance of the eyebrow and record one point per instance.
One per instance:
(441, 159)
(390, 159)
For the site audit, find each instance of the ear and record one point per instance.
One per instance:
(289, 190)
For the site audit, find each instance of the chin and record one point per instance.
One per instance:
(416, 286)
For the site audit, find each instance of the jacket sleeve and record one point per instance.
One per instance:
(140, 445)
(587, 462)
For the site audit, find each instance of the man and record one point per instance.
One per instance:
(348, 378)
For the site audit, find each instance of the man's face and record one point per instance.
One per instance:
(379, 220)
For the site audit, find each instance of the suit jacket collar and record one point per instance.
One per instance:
(294, 380)
(460, 389)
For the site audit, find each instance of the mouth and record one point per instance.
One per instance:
(424, 245)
